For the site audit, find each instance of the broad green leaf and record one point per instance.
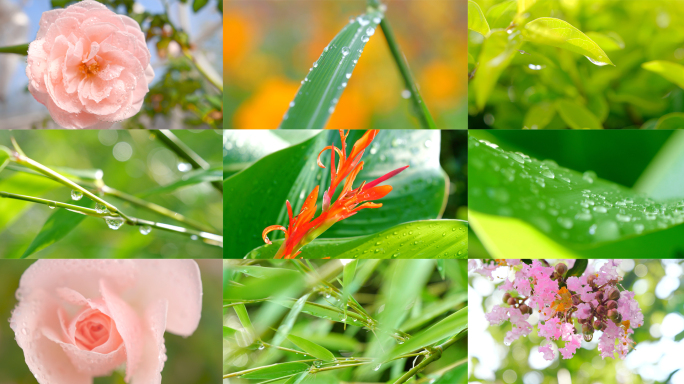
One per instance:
(255, 198)
(609, 41)
(323, 85)
(450, 326)
(565, 213)
(312, 348)
(242, 314)
(243, 147)
(524, 5)
(413, 240)
(434, 310)
(58, 225)
(286, 325)
(673, 120)
(598, 106)
(578, 269)
(297, 378)
(500, 15)
(456, 375)
(276, 371)
(561, 34)
(577, 116)
(671, 71)
(191, 178)
(539, 116)
(495, 56)
(476, 19)
(228, 332)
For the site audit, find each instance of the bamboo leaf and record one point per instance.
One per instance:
(450, 326)
(577, 116)
(191, 178)
(561, 34)
(671, 71)
(323, 85)
(286, 325)
(277, 371)
(58, 225)
(297, 378)
(476, 19)
(325, 312)
(495, 56)
(242, 314)
(434, 310)
(347, 279)
(413, 240)
(312, 348)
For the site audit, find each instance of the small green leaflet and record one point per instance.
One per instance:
(577, 116)
(276, 371)
(312, 348)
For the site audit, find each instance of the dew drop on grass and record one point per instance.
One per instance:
(292, 104)
(405, 94)
(114, 222)
(370, 31)
(52, 205)
(145, 229)
(365, 39)
(100, 208)
(377, 367)
(194, 237)
(76, 195)
(345, 51)
(348, 75)
(315, 64)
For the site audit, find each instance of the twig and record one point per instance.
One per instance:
(435, 354)
(214, 81)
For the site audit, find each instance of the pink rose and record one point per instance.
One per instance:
(77, 319)
(89, 66)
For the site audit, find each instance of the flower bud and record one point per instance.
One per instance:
(604, 326)
(561, 268)
(614, 294)
(601, 310)
(612, 304)
(597, 324)
(613, 314)
(506, 297)
(576, 300)
(587, 328)
(599, 296)
(511, 301)
(525, 309)
(590, 280)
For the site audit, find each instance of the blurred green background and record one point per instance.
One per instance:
(270, 46)
(657, 354)
(454, 160)
(621, 96)
(133, 162)
(196, 359)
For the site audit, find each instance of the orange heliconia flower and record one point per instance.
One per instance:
(303, 228)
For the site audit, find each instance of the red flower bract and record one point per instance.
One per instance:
(303, 228)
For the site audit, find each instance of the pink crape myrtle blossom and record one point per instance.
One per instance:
(593, 300)
(79, 319)
(89, 66)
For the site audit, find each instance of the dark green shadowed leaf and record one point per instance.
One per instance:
(58, 225)
(578, 269)
(312, 348)
(450, 326)
(413, 240)
(276, 371)
(190, 178)
(323, 85)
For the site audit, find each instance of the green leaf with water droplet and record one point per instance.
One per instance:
(276, 371)
(60, 223)
(190, 178)
(577, 116)
(322, 87)
(561, 34)
(674, 72)
(454, 324)
(495, 56)
(414, 240)
(326, 312)
(255, 198)
(312, 348)
(476, 19)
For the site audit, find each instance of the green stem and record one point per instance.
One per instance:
(172, 142)
(214, 81)
(435, 354)
(54, 204)
(21, 49)
(423, 114)
(285, 349)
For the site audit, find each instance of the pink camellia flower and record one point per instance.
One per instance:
(78, 319)
(89, 66)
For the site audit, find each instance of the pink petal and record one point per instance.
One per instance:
(89, 362)
(46, 20)
(37, 66)
(154, 357)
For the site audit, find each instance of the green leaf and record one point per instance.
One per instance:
(228, 332)
(276, 371)
(25, 184)
(284, 277)
(671, 71)
(559, 33)
(347, 279)
(609, 41)
(297, 378)
(577, 116)
(476, 19)
(673, 120)
(58, 225)
(500, 15)
(516, 201)
(291, 174)
(323, 85)
(539, 116)
(450, 326)
(440, 268)
(4, 157)
(578, 269)
(524, 5)
(242, 314)
(495, 56)
(325, 312)
(191, 178)
(434, 310)
(199, 4)
(413, 240)
(286, 325)
(312, 348)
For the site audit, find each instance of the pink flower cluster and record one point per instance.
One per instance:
(593, 299)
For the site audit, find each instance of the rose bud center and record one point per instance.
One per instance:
(93, 329)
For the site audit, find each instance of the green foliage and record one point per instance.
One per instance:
(476, 19)
(58, 225)
(530, 63)
(291, 174)
(397, 297)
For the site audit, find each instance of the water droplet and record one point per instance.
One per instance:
(100, 208)
(535, 67)
(547, 173)
(370, 31)
(52, 205)
(348, 75)
(377, 367)
(345, 51)
(363, 21)
(292, 104)
(194, 237)
(317, 363)
(405, 94)
(365, 39)
(114, 222)
(145, 229)
(76, 195)
(589, 176)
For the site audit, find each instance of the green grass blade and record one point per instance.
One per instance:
(413, 240)
(297, 378)
(242, 314)
(433, 311)
(57, 226)
(312, 348)
(322, 88)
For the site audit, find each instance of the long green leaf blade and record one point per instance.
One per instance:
(323, 86)
(312, 348)
(4, 157)
(57, 226)
(286, 325)
(191, 178)
(413, 240)
(276, 371)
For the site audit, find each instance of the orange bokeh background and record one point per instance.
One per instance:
(270, 45)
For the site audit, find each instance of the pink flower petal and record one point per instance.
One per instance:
(154, 357)
(89, 362)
